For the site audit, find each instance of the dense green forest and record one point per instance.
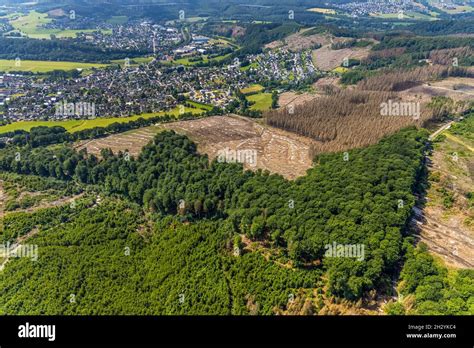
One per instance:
(429, 288)
(95, 262)
(60, 50)
(164, 238)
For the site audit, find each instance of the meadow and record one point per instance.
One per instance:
(322, 10)
(187, 62)
(263, 101)
(32, 26)
(252, 89)
(42, 66)
(79, 125)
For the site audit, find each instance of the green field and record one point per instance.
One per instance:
(41, 66)
(31, 25)
(117, 20)
(187, 20)
(200, 105)
(134, 61)
(252, 89)
(245, 68)
(205, 59)
(79, 125)
(263, 101)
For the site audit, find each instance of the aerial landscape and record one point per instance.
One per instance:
(236, 158)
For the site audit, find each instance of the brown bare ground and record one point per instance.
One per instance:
(322, 84)
(448, 232)
(278, 151)
(327, 59)
(446, 238)
(464, 90)
(298, 41)
(292, 98)
(132, 141)
(57, 13)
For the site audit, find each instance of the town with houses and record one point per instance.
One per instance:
(174, 72)
(139, 36)
(359, 9)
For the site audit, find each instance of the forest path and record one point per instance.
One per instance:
(445, 236)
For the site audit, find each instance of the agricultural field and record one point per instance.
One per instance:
(248, 67)
(224, 42)
(193, 19)
(201, 106)
(340, 70)
(263, 101)
(117, 20)
(134, 61)
(78, 125)
(31, 25)
(447, 221)
(322, 10)
(461, 9)
(42, 66)
(277, 151)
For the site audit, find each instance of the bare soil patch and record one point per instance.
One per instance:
(447, 230)
(131, 142)
(299, 41)
(278, 151)
(447, 238)
(323, 83)
(327, 59)
(456, 88)
(292, 98)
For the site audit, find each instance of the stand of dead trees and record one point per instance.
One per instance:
(345, 119)
(447, 56)
(399, 80)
